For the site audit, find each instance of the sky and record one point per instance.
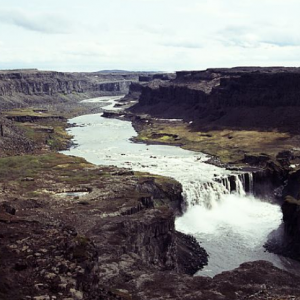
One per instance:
(150, 35)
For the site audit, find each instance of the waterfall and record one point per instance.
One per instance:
(209, 194)
(222, 215)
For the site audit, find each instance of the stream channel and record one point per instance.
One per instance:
(231, 226)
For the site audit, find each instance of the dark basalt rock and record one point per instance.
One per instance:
(187, 244)
(25, 87)
(291, 216)
(8, 208)
(21, 266)
(249, 98)
(285, 157)
(256, 160)
(98, 250)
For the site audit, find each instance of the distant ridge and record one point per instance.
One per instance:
(126, 71)
(19, 70)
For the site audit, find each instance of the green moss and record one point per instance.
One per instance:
(166, 138)
(29, 111)
(52, 166)
(228, 145)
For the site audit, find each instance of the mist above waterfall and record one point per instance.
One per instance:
(250, 217)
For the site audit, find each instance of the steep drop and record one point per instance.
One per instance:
(231, 224)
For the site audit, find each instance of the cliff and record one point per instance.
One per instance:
(117, 241)
(238, 98)
(248, 116)
(88, 246)
(20, 88)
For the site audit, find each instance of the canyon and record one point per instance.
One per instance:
(254, 112)
(19, 88)
(243, 98)
(119, 241)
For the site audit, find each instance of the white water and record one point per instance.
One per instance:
(231, 227)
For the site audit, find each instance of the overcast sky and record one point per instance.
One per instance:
(167, 35)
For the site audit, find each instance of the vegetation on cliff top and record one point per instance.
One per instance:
(229, 145)
(45, 130)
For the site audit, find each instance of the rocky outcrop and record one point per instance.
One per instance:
(13, 141)
(245, 282)
(291, 216)
(269, 177)
(49, 83)
(250, 98)
(241, 99)
(18, 88)
(58, 263)
(160, 76)
(31, 119)
(136, 256)
(91, 247)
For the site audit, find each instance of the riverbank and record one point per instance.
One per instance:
(229, 146)
(86, 213)
(245, 117)
(206, 189)
(80, 220)
(68, 200)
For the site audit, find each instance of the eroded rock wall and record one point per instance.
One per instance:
(18, 88)
(250, 98)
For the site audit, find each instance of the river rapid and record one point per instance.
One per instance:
(231, 226)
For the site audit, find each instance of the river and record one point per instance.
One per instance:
(232, 227)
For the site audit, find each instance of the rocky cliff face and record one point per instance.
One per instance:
(291, 215)
(18, 88)
(251, 98)
(100, 244)
(14, 141)
(237, 99)
(117, 242)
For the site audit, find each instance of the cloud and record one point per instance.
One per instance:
(49, 23)
(238, 36)
(156, 29)
(254, 36)
(182, 44)
(148, 34)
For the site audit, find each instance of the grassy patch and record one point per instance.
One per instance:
(19, 167)
(30, 173)
(49, 132)
(228, 145)
(43, 127)
(30, 112)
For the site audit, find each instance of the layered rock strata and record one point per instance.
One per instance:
(28, 87)
(92, 246)
(249, 98)
(117, 242)
(237, 99)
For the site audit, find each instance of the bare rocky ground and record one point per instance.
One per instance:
(115, 241)
(93, 246)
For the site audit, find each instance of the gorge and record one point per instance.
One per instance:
(71, 229)
(219, 211)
